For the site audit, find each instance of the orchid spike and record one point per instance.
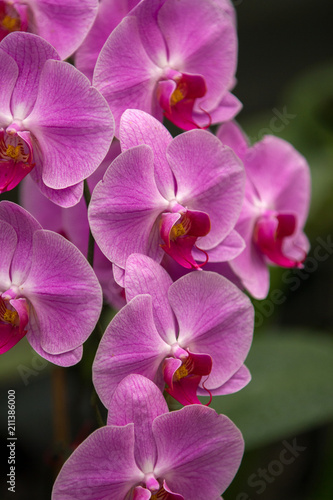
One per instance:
(275, 208)
(53, 124)
(147, 453)
(192, 335)
(48, 291)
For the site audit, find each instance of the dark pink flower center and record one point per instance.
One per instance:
(177, 97)
(16, 160)
(269, 233)
(12, 19)
(180, 231)
(183, 374)
(14, 317)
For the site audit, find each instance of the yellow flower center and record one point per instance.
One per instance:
(179, 93)
(7, 315)
(11, 23)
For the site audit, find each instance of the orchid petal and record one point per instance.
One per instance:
(8, 242)
(228, 249)
(126, 78)
(63, 24)
(216, 319)
(144, 276)
(130, 344)
(9, 74)
(30, 53)
(24, 225)
(196, 443)
(237, 382)
(125, 206)
(210, 178)
(64, 292)
(207, 29)
(138, 127)
(57, 122)
(138, 400)
(288, 168)
(102, 467)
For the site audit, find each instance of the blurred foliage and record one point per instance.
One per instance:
(290, 391)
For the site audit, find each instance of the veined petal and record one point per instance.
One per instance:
(126, 78)
(125, 206)
(239, 380)
(232, 135)
(145, 276)
(8, 242)
(196, 443)
(24, 226)
(210, 178)
(228, 249)
(65, 359)
(202, 41)
(216, 319)
(102, 467)
(63, 24)
(67, 197)
(226, 110)
(138, 400)
(64, 292)
(138, 127)
(131, 344)
(74, 129)
(274, 158)
(109, 15)
(30, 52)
(8, 76)
(152, 39)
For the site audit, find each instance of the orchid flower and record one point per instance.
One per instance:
(275, 208)
(172, 57)
(145, 452)
(163, 194)
(53, 124)
(48, 291)
(194, 333)
(62, 23)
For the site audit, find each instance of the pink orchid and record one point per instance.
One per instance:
(48, 291)
(145, 452)
(192, 335)
(172, 57)
(277, 196)
(168, 195)
(62, 23)
(53, 124)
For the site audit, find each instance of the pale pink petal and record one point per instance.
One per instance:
(74, 130)
(101, 468)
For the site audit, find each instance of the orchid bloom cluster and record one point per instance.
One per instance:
(171, 231)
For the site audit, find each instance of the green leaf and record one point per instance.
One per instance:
(290, 391)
